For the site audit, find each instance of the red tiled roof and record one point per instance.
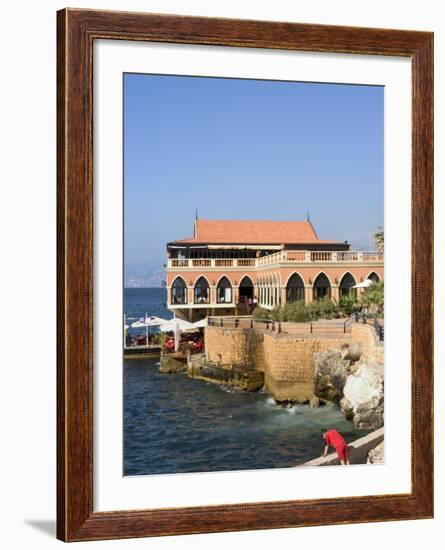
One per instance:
(253, 232)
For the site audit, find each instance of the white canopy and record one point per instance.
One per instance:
(167, 325)
(365, 284)
(200, 324)
(138, 324)
(174, 325)
(145, 322)
(154, 321)
(149, 322)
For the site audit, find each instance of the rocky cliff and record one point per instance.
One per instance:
(340, 377)
(362, 401)
(331, 373)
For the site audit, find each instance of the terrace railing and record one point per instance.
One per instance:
(213, 262)
(315, 327)
(326, 327)
(282, 257)
(302, 256)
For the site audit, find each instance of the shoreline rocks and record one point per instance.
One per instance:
(342, 379)
(170, 365)
(377, 455)
(331, 373)
(363, 401)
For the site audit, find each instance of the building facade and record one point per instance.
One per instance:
(225, 263)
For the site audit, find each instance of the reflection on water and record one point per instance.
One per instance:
(174, 424)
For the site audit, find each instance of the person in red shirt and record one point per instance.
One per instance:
(334, 439)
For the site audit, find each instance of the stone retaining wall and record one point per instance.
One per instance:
(372, 348)
(287, 361)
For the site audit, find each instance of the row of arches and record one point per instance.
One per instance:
(268, 289)
(201, 291)
(295, 288)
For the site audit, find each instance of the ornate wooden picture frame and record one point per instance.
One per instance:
(77, 31)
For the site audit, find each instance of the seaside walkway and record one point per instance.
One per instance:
(358, 450)
(321, 329)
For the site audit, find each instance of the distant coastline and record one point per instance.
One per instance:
(142, 276)
(151, 286)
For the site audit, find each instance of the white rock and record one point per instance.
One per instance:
(377, 455)
(363, 397)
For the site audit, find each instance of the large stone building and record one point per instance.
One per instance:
(225, 263)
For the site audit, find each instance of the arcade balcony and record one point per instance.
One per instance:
(285, 257)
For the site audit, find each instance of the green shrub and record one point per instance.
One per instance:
(261, 313)
(299, 312)
(348, 304)
(295, 312)
(276, 314)
(374, 298)
(323, 309)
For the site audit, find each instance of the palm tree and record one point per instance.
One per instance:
(379, 240)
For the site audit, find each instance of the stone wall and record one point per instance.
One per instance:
(372, 348)
(287, 361)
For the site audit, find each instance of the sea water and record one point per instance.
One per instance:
(174, 424)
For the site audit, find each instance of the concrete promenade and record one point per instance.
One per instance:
(358, 449)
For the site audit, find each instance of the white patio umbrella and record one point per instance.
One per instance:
(365, 284)
(145, 322)
(173, 324)
(201, 324)
(148, 322)
(154, 321)
(141, 324)
(176, 326)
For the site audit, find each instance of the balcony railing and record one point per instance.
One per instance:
(302, 256)
(246, 263)
(282, 257)
(213, 262)
(321, 256)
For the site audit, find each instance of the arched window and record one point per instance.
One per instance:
(202, 291)
(179, 291)
(322, 287)
(245, 289)
(295, 289)
(374, 277)
(346, 284)
(224, 291)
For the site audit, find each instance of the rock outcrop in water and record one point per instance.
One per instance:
(169, 365)
(358, 388)
(352, 352)
(363, 397)
(331, 373)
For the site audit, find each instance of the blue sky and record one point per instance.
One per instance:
(248, 149)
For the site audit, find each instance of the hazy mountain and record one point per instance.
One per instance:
(137, 276)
